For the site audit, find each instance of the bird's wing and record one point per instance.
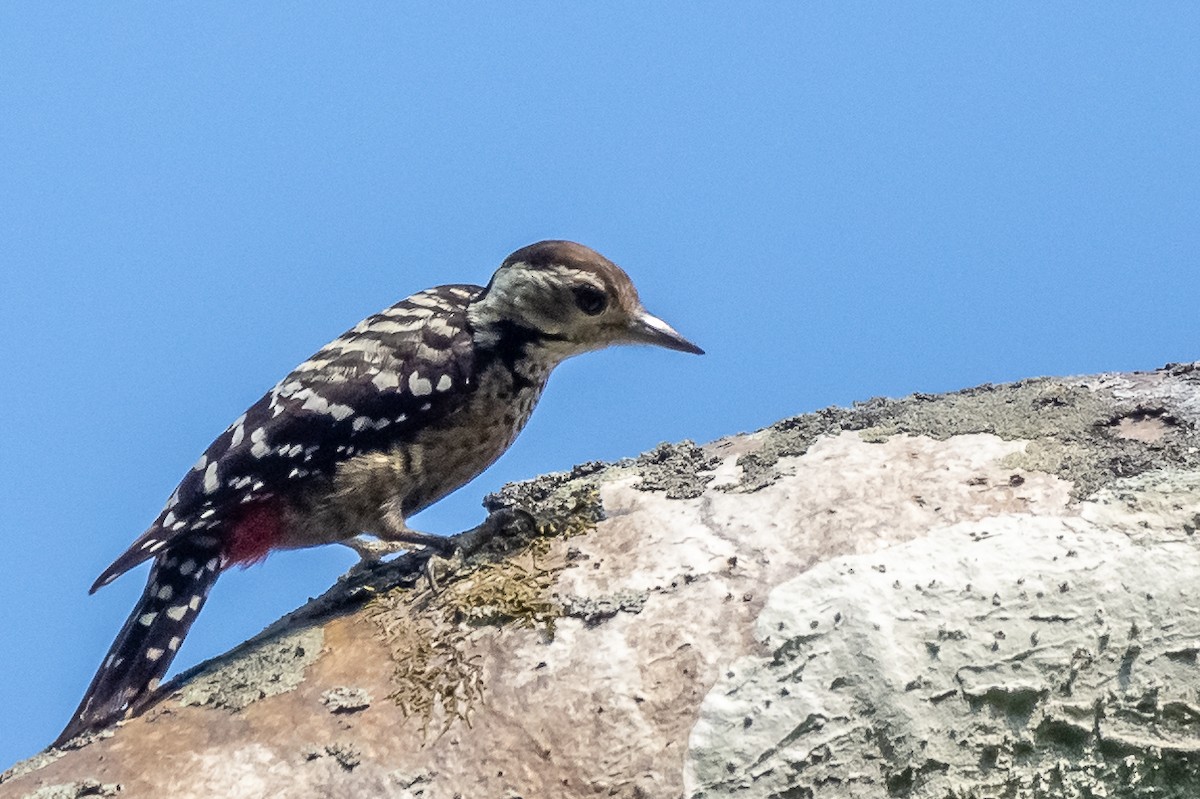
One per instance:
(366, 390)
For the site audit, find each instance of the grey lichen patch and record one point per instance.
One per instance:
(1164, 505)
(268, 668)
(75, 790)
(595, 610)
(1013, 699)
(38, 761)
(345, 699)
(346, 754)
(1077, 430)
(561, 504)
(676, 470)
(415, 784)
(43, 759)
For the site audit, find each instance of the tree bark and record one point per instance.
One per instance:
(990, 593)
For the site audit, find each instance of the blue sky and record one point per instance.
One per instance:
(836, 200)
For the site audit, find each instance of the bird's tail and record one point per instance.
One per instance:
(137, 660)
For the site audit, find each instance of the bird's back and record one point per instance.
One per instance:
(381, 385)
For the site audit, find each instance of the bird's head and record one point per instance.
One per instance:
(570, 299)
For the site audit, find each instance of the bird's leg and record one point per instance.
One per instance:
(447, 554)
(394, 530)
(393, 535)
(371, 550)
(468, 543)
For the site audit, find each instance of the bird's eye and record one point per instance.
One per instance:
(590, 300)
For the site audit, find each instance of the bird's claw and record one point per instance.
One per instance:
(444, 564)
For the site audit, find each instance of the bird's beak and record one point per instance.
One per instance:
(647, 329)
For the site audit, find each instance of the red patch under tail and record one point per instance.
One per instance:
(258, 530)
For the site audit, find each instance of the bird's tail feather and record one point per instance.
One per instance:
(178, 585)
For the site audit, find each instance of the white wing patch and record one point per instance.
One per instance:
(211, 481)
(385, 380)
(419, 386)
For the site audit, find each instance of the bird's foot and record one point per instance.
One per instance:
(447, 555)
(372, 550)
(441, 565)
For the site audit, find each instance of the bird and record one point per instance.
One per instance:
(385, 420)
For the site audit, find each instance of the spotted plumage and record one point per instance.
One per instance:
(388, 418)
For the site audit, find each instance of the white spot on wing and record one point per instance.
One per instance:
(444, 383)
(433, 354)
(166, 592)
(420, 386)
(153, 653)
(314, 402)
(175, 613)
(440, 325)
(146, 619)
(391, 325)
(425, 299)
(312, 365)
(187, 567)
(358, 344)
(386, 380)
(239, 430)
(258, 443)
(211, 481)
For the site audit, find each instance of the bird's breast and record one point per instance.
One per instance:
(423, 467)
(446, 455)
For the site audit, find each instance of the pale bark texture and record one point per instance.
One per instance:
(991, 593)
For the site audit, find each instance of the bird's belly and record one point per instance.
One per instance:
(416, 473)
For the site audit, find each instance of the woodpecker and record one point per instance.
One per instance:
(380, 423)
